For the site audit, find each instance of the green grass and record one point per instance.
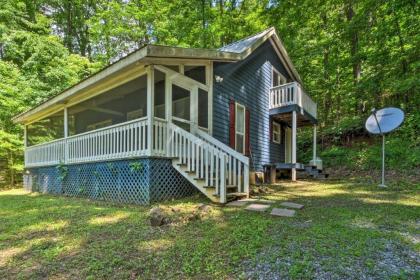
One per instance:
(342, 226)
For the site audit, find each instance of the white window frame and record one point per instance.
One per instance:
(236, 125)
(276, 133)
(282, 79)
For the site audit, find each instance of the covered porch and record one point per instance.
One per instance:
(291, 106)
(122, 117)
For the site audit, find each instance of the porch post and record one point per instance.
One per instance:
(66, 123)
(194, 110)
(294, 126)
(150, 109)
(25, 136)
(168, 113)
(25, 142)
(314, 145)
(66, 134)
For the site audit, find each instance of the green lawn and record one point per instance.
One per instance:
(346, 230)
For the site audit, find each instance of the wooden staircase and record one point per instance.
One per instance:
(218, 171)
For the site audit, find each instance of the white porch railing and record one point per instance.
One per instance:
(292, 94)
(123, 140)
(50, 153)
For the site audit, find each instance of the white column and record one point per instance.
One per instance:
(168, 113)
(209, 70)
(314, 145)
(194, 109)
(25, 135)
(66, 134)
(66, 123)
(294, 126)
(150, 109)
(25, 142)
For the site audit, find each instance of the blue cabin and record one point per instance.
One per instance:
(166, 122)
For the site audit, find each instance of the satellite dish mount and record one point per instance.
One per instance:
(381, 122)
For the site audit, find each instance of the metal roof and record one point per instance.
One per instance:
(246, 43)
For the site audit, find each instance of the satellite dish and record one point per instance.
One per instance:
(384, 120)
(381, 122)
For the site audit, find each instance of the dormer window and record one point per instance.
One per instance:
(277, 78)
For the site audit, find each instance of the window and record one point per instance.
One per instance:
(277, 78)
(240, 128)
(276, 133)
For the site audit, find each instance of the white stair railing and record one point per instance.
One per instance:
(237, 165)
(205, 158)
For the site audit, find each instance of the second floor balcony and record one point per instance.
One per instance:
(289, 95)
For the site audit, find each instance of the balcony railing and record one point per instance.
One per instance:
(292, 94)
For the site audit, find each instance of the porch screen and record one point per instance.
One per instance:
(197, 73)
(120, 104)
(46, 130)
(159, 94)
(203, 109)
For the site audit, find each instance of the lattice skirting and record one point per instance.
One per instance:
(139, 181)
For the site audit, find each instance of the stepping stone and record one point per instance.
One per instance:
(266, 201)
(257, 207)
(237, 203)
(258, 200)
(249, 200)
(281, 212)
(291, 205)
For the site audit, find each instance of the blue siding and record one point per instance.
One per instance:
(248, 82)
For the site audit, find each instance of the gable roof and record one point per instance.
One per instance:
(235, 51)
(245, 43)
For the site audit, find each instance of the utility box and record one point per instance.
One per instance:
(317, 163)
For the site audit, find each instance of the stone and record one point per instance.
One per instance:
(237, 203)
(157, 217)
(291, 205)
(249, 199)
(281, 212)
(266, 201)
(257, 207)
(204, 208)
